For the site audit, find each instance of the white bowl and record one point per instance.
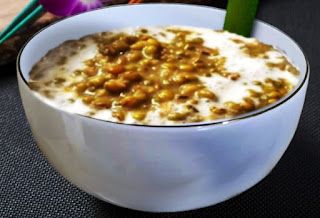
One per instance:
(153, 168)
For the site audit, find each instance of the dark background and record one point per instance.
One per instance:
(29, 186)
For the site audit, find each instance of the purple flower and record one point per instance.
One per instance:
(70, 7)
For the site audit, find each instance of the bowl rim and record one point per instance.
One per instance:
(184, 125)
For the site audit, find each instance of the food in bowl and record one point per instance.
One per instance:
(159, 168)
(163, 75)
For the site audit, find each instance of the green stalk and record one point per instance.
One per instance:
(240, 16)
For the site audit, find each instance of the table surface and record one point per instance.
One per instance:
(11, 9)
(30, 187)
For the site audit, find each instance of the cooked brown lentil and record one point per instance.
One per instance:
(132, 72)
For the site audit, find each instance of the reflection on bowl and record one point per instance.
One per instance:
(154, 168)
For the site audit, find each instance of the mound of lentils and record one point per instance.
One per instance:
(132, 73)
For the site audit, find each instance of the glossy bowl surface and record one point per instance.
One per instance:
(160, 168)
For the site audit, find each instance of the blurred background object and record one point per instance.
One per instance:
(9, 9)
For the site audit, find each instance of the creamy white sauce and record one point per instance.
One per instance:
(251, 69)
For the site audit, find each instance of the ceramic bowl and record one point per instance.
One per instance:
(160, 168)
